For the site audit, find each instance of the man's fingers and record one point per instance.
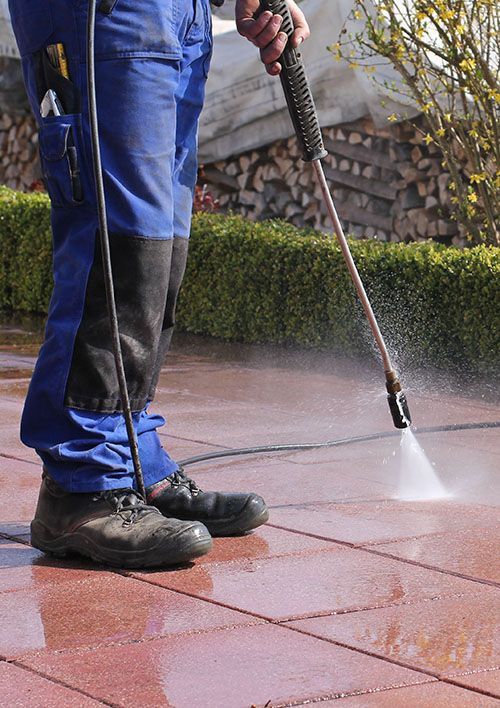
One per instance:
(274, 50)
(302, 30)
(298, 38)
(250, 27)
(269, 32)
(273, 69)
(265, 31)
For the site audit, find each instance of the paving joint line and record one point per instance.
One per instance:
(321, 698)
(60, 682)
(428, 566)
(199, 442)
(431, 536)
(312, 700)
(381, 554)
(19, 459)
(197, 597)
(367, 608)
(15, 539)
(88, 648)
(351, 500)
(452, 680)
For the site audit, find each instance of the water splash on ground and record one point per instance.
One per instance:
(418, 480)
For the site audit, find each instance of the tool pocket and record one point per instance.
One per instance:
(32, 23)
(60, 142)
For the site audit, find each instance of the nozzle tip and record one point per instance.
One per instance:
(400, 412)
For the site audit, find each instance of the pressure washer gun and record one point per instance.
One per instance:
(305, 121)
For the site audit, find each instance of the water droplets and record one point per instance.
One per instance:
(418, 479)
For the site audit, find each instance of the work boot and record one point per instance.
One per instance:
(115, 527)
(222, 513)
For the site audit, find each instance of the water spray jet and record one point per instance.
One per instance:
(304, 117)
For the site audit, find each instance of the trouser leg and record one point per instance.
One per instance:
(71, 413)
(189, 101)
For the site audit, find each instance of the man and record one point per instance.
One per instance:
(152, 61)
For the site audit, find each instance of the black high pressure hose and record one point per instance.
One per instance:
(298, 447)
(105, 249)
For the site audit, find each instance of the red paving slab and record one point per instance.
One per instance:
(25, 568)
(443, 636)
(284, 484)
(488, 681)
(313, 583)
(485, 440)
(470, 553)
(20, 688)
(375, 522)
(237, 425)
(110, 609)
(429, 695)
(236, 667)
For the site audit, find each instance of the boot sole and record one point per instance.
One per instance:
(186, 550)
(247, 520)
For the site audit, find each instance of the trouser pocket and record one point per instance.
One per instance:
(60, 151)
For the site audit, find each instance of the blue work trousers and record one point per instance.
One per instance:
(152, 60)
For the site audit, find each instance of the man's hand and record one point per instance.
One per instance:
(265, 33)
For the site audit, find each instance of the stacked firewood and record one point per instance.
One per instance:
(386, 183)
(19, 166)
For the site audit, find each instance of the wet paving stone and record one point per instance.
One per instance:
(429, 695)
(25, 568)
(488, 681)
(444, 636)
(22, 688)
(236, 667)
(109, 609)
(375, 522)
(313, 583)
(468, 552)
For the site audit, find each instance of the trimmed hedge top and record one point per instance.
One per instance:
(271, 282)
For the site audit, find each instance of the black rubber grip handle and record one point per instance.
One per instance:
(298, 94)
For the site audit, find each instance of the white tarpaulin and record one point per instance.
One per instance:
(8, 47)
(245, 108)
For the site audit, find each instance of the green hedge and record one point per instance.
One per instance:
(270, 282)
(25, 248)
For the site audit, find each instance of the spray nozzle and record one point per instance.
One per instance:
(398, 404)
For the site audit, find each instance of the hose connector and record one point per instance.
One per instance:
(398, 404)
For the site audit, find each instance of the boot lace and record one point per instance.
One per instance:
(180, 479)
(126, 503)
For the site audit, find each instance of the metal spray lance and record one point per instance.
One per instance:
(304, 117)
